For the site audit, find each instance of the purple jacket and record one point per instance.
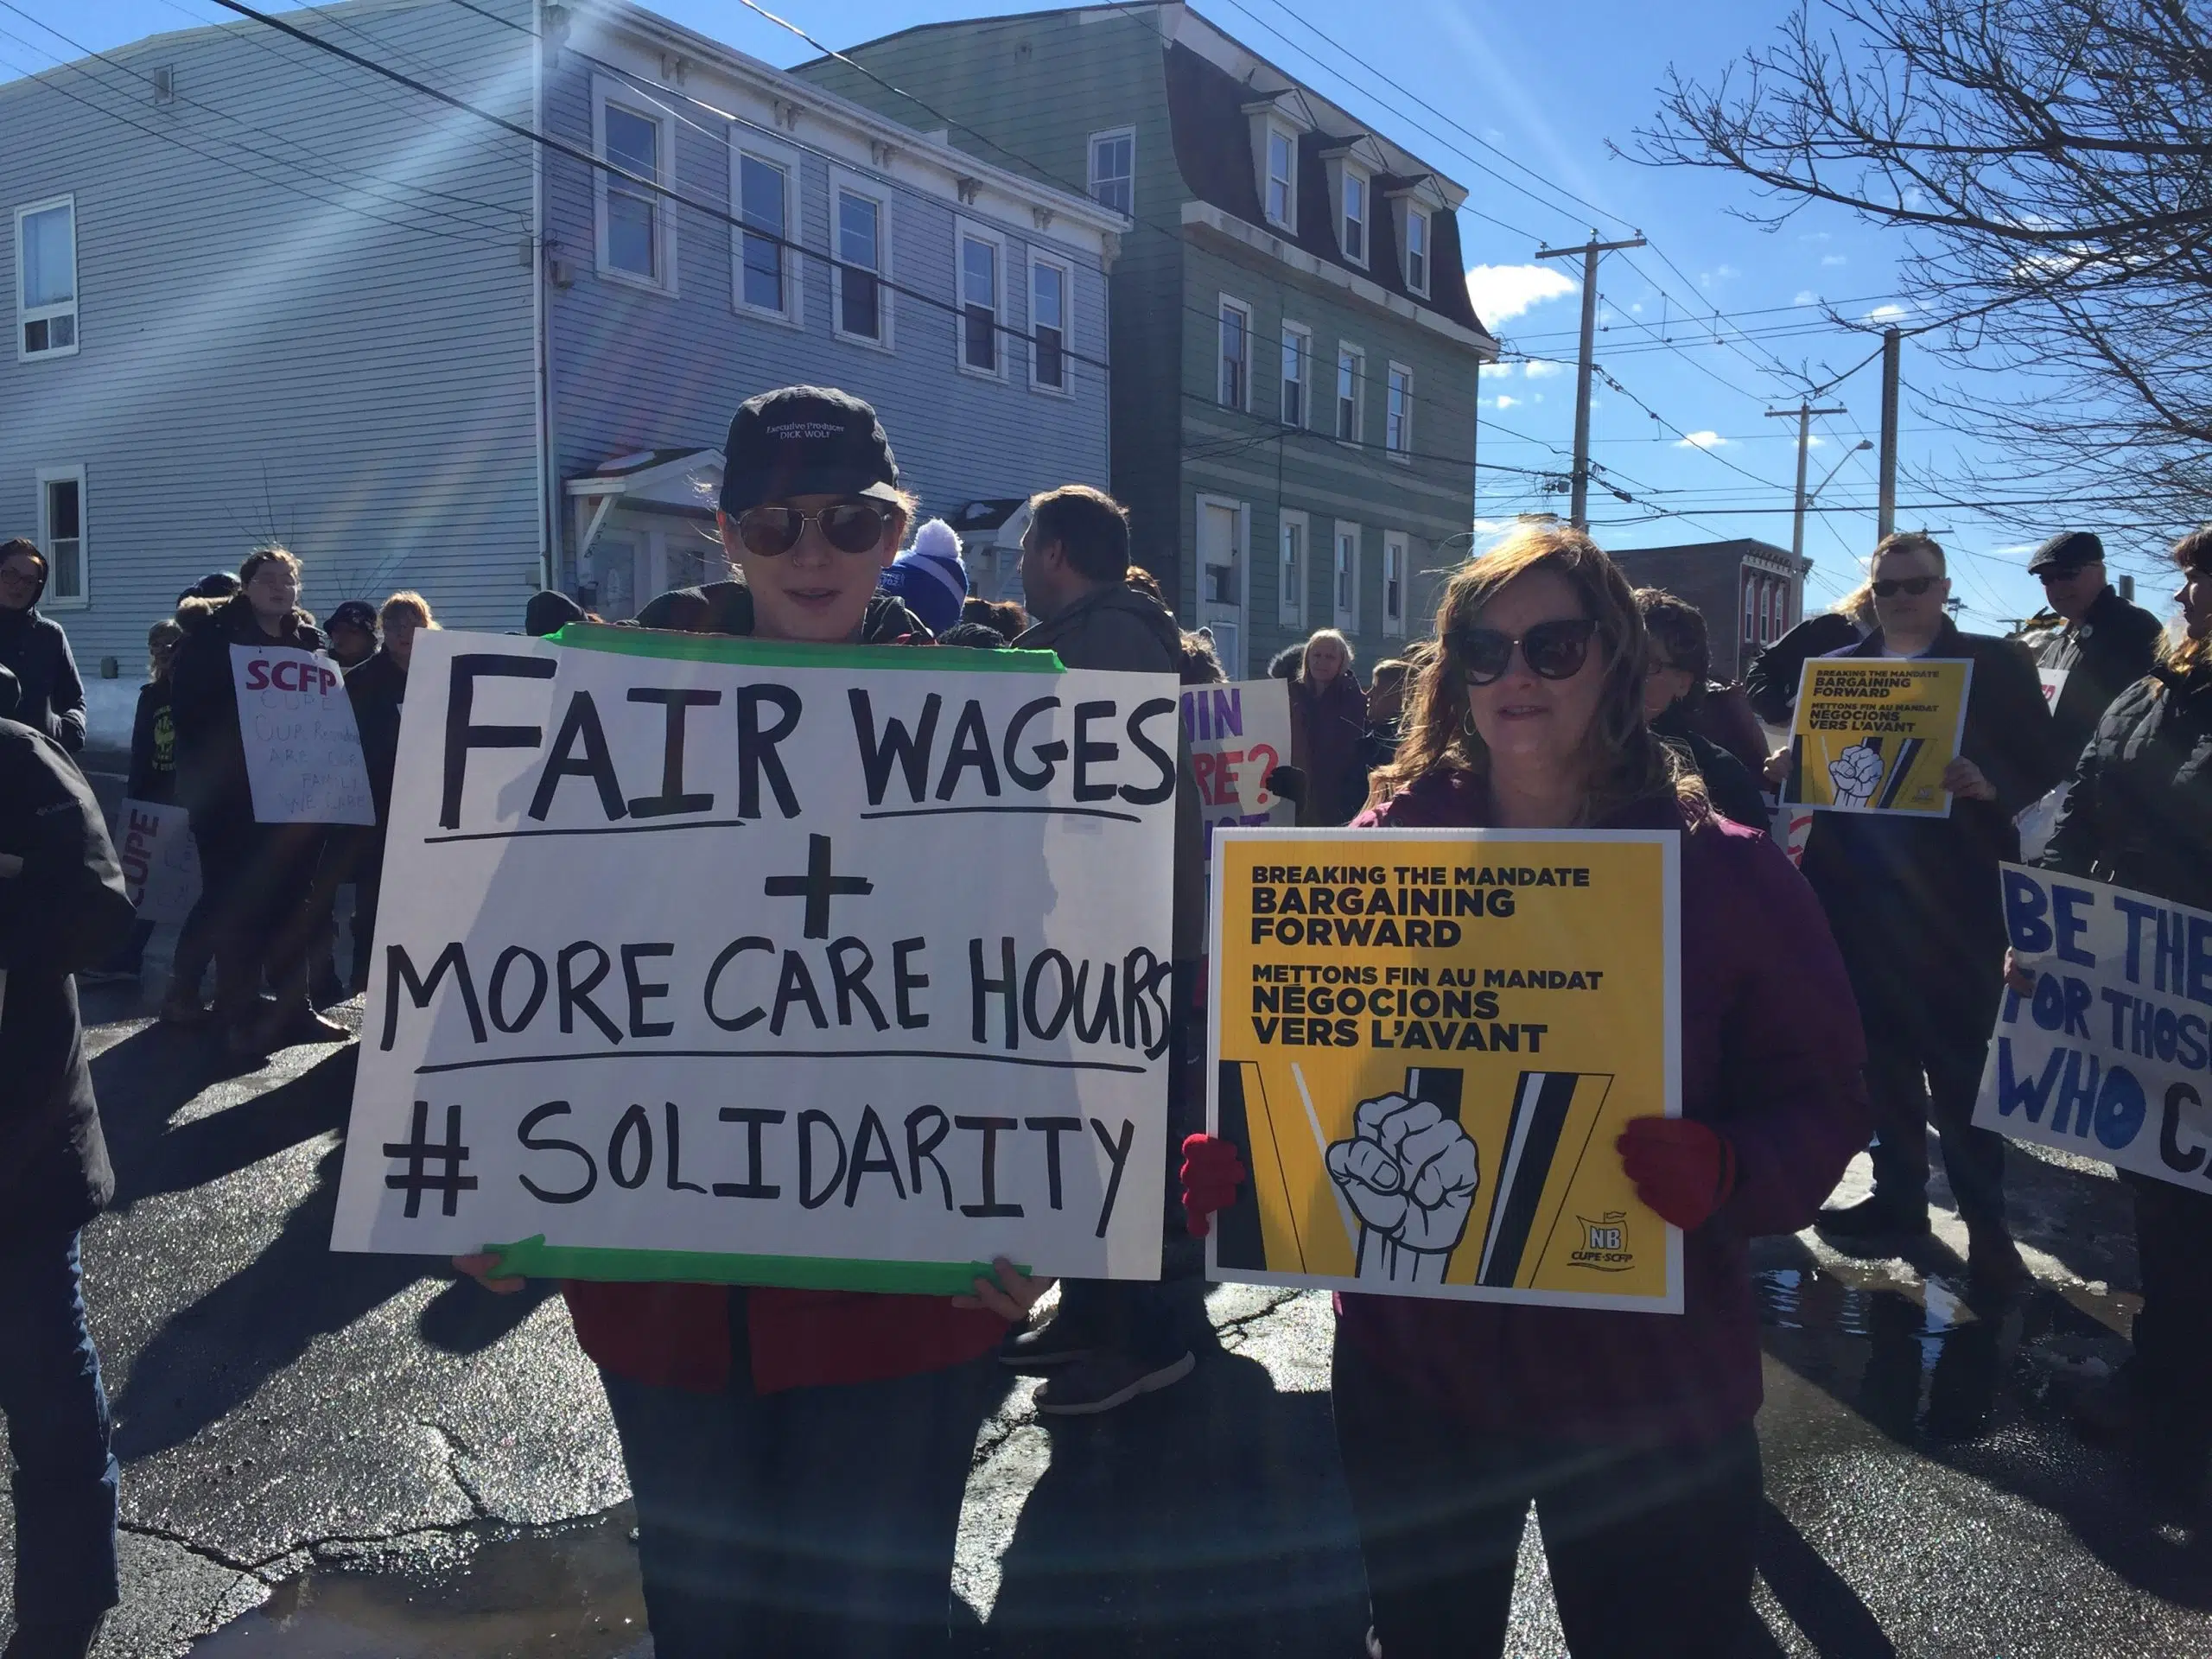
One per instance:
(1771, 1058)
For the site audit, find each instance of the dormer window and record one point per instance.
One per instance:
(1282, 179)
(1353, 236)
(1417, 252)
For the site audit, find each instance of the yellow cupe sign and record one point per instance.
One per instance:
(1424, 1045)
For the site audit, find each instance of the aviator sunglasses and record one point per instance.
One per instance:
(1555, 649)
(850, 527)
(1913, 585)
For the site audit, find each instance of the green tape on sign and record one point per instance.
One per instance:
(735, 648)
(533, 1258)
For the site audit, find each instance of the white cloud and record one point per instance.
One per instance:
(1496, 371)
(1814, 441)
(1540, 399)
(1503, 402)
(1835, 259)
(1701, 441)
(1501, 293)
(1717, 274)
(1805, 297)
(1637, 308)
(1885, 314)
(1538, 369)
(1813, 236)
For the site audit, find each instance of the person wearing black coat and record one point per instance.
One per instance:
(33, 648)
(1772, 679)
(1674, 690)
(2107, 645)
(258, 877)
(2138, 814)
(1914, 902)
(62, 909)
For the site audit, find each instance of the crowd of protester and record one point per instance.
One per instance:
(798, 1458)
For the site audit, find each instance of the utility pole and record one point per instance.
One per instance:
(1885, 515)
(1578, 514)
(1804, 415)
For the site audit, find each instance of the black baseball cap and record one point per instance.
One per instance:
(806, 440)
(2068, 551)
(354, 614)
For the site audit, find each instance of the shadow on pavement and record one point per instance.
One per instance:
(1959, 1387)
(1825, 1611)
(1208, 1519)
(464, 1319)
(212, 1357)
(224, 1142)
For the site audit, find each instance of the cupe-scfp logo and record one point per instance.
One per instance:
(288, 674)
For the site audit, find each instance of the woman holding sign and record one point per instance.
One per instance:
(1631, 1432)
(2139, 815)
(799, 1457)
(256, 876)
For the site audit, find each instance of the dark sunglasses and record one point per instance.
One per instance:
(1554, 651)
(1913, 585)
(850, 527)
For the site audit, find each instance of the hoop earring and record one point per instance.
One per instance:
(1467, 721)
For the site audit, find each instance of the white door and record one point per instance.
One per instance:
(1220, 580)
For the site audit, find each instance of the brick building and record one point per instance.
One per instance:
(1751, 591)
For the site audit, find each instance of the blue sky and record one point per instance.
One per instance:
(1687, 433)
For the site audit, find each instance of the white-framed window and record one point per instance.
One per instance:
(1750, 609)
(1351, 392)
(1114, 168)
(1292, 541)
(636, 227)
(1417, 230)
(1297, 373)
(1234, 383)
(763, 255)
(1397, 555)
(1352, 215)
(1279, 192)
(1343, 576)
(61, 536)
(1051, 298)
(859, 232)
(981, 279)
(46, 278)
(1398, 414)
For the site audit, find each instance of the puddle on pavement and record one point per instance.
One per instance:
(1914, 1357)
(570, 1594)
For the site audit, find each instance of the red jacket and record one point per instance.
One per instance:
(1771, 1057)
(679, 1336)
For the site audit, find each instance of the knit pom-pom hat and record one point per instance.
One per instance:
(930, 576)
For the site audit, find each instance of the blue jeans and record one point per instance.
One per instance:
(816, 1520)
(56, 1408)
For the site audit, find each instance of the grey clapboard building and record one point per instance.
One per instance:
(1295, 354)
(261, 293)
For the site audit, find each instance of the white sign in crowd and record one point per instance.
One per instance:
(1239, 734)
(160, 867)
(679, 951)
(2110, 1056)
(303, 746)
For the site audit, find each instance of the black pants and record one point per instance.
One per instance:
(2173, 1331)
(1650, 1547)
(257, 878)
(351, 853)
(1928, 1009)
(818, 1521)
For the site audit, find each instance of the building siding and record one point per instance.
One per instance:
(263, 355)
(695, 356)
(1036, 88)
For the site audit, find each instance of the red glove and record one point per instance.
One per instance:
(1684, 1169)
(1211, 1174)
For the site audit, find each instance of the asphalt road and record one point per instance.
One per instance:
(334, 1455)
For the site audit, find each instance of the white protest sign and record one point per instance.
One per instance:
(677, 974)
(160, 867)
(302, 749)
(2054, 684)
(1239, 734)
(2111, 1056)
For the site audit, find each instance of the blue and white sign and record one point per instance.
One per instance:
(2110, 1055)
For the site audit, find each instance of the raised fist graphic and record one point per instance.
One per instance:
(1854, 774)
(1410, 1175)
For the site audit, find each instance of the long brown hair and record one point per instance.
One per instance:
(2192, 553)
(1627, 762)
